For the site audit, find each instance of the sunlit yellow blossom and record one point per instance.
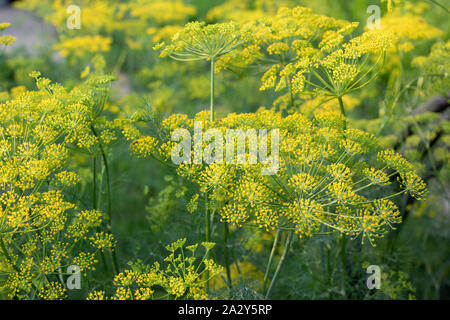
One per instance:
(183, 276)
(329, 177)
(79, 46)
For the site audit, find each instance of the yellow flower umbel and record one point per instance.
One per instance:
(162, 12)
(80, 46)
(399, 22)
(243, 11)
(436, 67)
(183, 277)
(312, 54)
(330, 178)
(198, 41)
(5, 40)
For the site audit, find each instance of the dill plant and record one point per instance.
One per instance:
(41, 233)
(436, 65)
(198, 41)
(331, 178)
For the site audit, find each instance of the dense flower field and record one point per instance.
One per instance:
(234, 149)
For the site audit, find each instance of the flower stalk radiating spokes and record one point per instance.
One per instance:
(199, 41)
(311, 55)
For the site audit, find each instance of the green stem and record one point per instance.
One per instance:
(341, 106)
(108, 187)
(211, 104)
(344, 259)
(440, 5)
(109, 213)
(94, 201)
(108, 184)
(207, 235)
(94, 182)
(226, 232)
(280, 263)
(291, 94)
(207, 212)
(269, 263)
(108, 190)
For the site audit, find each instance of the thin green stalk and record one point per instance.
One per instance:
(341, 106)
(226, 232)
(108, 187)
(440, 5)
(269, 263)
(94, 201)
(344, 259)
(109, 213)
(288, 84)
(280, 263)
(291, 94)
(329, 272)
(211, 105)
(207, 235)
(94, 182)
(108, 190)
(108, 184)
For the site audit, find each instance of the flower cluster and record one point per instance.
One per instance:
(436, 66)
(329, 177)
(40, 232)
(401, 27)
(5, 40)
(161, 12)
(400, 23)
(79, 46)
(102, 20)
(310, 53)
(244, 11)
(199, 41)
(183, 277)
